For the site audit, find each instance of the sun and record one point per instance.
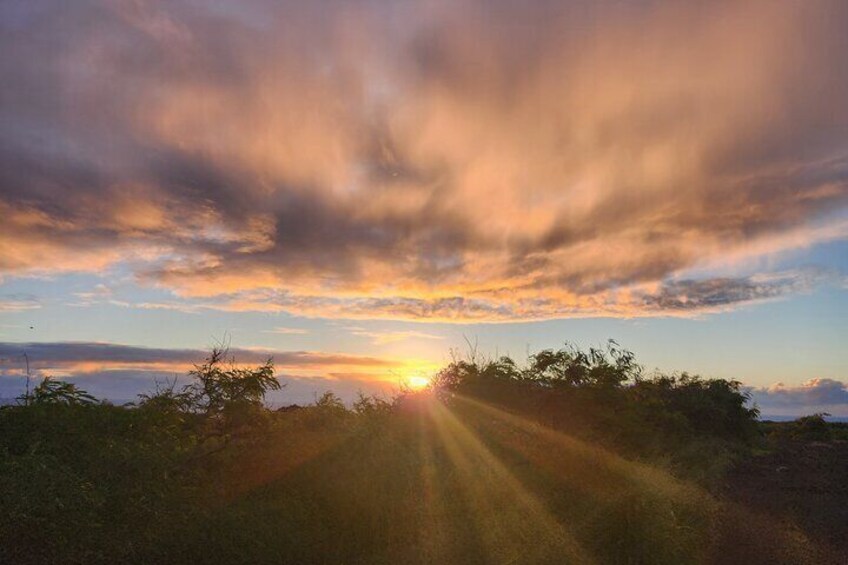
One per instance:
(417, 382)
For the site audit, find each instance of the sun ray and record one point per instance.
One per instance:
(512, 523)
(597, 467)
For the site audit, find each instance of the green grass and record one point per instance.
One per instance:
(431, 482)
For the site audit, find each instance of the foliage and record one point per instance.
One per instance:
(605, 368)
(227, 395)
(205, 472)
(376, 412)
(218, 387)
(373, 406)
(602, 393)
(330, 402)
(50, 391)
(77, 480)
(812, 427)
(167, 399)
(714, 407)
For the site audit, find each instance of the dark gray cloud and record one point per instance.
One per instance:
(708, 294)
(58, 355)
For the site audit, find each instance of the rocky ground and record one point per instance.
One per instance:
(801, 484)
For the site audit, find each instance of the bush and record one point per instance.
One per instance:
(601, 394)
(707, 407)
(812, 428)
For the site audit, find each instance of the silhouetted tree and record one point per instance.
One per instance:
(50, 391)
(219, 385)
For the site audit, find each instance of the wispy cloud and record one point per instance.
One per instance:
(716, 294)
(287, 331)
(18, 302)
(100, 293)
(446, 161)
(672, 297)
(387, 337)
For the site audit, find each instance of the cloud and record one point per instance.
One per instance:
(120, 372)
(815, 395)
(427, 160)
(712, 294)
(684, 297)
(388, 337)
(18, 302)
(98, 294)
(287, 331)
(76, 357)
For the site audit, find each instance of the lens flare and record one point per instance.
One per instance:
(417, 382)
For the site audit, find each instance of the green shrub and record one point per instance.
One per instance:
(812, 428)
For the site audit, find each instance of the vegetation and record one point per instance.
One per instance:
(810, 428)
(50, 391)
(576, 456)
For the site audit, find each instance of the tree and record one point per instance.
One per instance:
(218, 386)
(226, 395)
(51, 391)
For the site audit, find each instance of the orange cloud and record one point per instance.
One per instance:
(461, 161)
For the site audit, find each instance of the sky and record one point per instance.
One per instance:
(359, 188)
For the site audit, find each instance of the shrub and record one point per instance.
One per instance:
(813, 427)
(372, 406)
(715, 407)
(609, 367)
(602, 394)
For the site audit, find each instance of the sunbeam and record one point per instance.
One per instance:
(512, 523)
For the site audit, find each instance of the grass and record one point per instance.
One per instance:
(462, 482)
(432, 478)
(453, 485)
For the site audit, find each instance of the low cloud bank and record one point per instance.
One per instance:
(121, 372)
(815, 395)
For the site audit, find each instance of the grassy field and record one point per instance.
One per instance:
(459, 481)
(560, 462)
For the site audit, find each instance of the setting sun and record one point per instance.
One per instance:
(418, 382)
